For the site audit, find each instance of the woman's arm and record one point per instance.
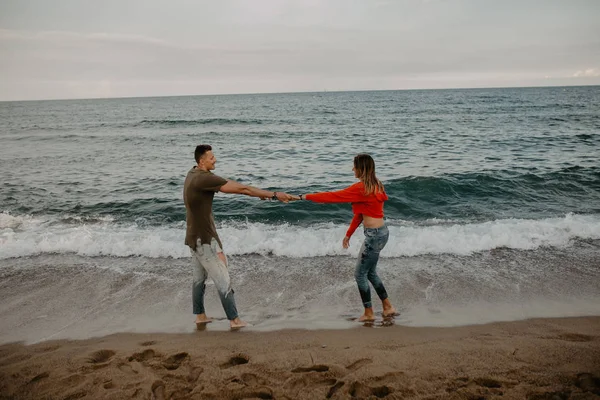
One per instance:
(351, 194)
(356, 221)
(353, 225)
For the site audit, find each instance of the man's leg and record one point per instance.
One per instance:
(198, 289)
(217, 270)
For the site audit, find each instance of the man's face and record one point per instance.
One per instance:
(208, 160)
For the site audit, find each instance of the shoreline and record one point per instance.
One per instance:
(534, 359)
(77, 297)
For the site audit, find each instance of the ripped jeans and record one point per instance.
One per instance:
(207, 264)
(375, 241)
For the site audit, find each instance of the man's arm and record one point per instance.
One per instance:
(234, 187)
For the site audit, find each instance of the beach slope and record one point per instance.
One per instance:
(532, 359)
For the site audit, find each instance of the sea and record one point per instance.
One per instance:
(493, 211)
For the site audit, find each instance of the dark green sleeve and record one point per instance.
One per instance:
(213, 183)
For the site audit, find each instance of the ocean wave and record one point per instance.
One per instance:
(482, 196)
(82, 128)
(26, 236)
(497, 194)
(202, 121)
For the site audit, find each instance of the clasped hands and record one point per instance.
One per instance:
(283, 197)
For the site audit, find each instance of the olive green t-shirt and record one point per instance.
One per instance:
(198, 191)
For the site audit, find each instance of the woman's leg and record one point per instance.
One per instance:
(376, 281)
(363, 265)
(388, 309)
(380, 241)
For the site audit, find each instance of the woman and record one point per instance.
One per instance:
(367, 197)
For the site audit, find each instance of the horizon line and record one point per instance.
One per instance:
(298, 92)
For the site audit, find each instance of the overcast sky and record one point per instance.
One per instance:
(116, 48)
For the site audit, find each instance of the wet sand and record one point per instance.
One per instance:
(531, 359)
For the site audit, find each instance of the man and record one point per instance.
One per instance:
(205, 245)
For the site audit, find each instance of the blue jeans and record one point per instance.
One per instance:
(375, 241)
(207, 264)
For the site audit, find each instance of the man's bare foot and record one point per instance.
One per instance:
(237, 324)
(202, 320)
(367, 316)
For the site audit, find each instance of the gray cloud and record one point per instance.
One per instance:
(134, 48)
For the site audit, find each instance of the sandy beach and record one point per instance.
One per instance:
(532, 359)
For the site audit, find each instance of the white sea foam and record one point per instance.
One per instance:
(25, 236)
(8, 221)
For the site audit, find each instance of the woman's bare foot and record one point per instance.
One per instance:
(367, 316)
(237, 323)
(388, 309)
(390, 312)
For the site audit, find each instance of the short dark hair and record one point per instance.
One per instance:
(200, 150)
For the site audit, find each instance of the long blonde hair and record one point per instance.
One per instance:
(365, 168)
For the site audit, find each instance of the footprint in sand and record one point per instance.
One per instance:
(48, 349)
(310, 379)
(334, 389)
(108, 385)
(464, 382)
(327, 382)
(126, 368)
(15, 358)
(77, 395)
(254, 393)
(100, 356)
(182, 393)
(39, 377)
(359, 364)
(143, 356)
(72, 380)
(396, 382)
(175, 360)
(548, 395)
(139, 394)
(307, 380)
(487, 382)
(588, 383)
(148, 343)
(236, 360)
(194, 374)
(158, 390)
(361, 391)
(575, 337)
(253, 380)
(250, 379)
(316, 368)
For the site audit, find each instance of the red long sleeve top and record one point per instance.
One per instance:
(371, 205)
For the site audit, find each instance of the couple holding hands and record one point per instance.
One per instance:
(367, 197)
